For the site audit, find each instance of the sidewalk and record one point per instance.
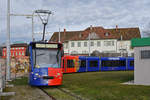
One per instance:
(23, 91)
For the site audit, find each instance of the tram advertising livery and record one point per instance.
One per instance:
(45, 64)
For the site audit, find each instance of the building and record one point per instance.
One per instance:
(115, 40)
(142, 61)
(16, 50)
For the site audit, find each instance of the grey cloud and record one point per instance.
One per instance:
(78, 14)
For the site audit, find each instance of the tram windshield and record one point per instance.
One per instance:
(47, 58)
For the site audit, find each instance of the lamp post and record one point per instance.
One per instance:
(8, 41)
(59, 36)
(33, 26)
(28, 16)
(90, 40)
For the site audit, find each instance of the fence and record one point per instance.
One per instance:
(19, 67)
(2, 74)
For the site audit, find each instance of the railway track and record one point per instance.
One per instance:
(70, 93)
(50, 96)
(65, 93)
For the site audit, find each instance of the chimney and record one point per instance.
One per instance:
(116, 27)
(64, 31)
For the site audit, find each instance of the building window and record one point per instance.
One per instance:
(108, 43)
(74, 52)
(4, 54)
(84, 52)
(85, 44)
(23, 53)
(113, 43)
(66, 45)
(106, 34)
(92, 43)
(145, 54)
(19, 53)
(79, 44)
(98, 43)
(16, 53)
(72, 44)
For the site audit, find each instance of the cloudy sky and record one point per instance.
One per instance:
(73, 15)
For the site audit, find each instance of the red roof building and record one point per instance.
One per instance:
(16, 50)
(101, 33)
(116, 40)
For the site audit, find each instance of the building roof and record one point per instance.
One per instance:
(18, 45)
(140, 42)
(97, 33)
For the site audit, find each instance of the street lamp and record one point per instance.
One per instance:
(44, 20)
(90, 40)
(8, 41)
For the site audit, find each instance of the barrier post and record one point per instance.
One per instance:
(1, 79)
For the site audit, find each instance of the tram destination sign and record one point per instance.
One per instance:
(46, 45)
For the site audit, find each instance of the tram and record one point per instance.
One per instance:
(69, 64)
(45, 64)
(73, 64)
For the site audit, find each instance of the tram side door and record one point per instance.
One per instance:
(64, 66)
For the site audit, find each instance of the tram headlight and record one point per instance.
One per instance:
(39, 76)
(37, 66)
(58, 74)
(36, 74)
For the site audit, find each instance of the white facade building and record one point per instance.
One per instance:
(115, 40)
(103, 46)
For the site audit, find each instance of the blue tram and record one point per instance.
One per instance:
(87, 64)
(82, 64)
(93, 63)
(130, 62)
(113, 63)
(45, 64)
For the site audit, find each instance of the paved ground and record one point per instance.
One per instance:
(26, 93)
(129, 82)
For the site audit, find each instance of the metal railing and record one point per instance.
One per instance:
(2, 77)
(3, 82)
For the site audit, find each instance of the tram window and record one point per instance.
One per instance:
(83, 63)
(123, 63)
(70, 63)
(106, 64)
(93, 63)
(113, 63)
(63, 63)
(132, 63)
